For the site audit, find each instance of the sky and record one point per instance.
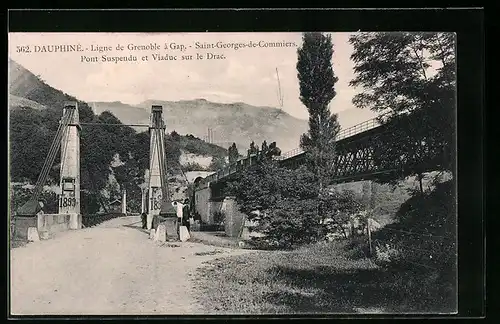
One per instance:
(245, 75)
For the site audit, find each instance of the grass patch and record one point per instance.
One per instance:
(315, 279)
(214, 238)
(209, 252)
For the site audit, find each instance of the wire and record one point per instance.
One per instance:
(105, 124)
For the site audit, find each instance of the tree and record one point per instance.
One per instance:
(317, 80)
(233, 153)
(175, 136)
(272, 150)
(217, 163)
(253, 149)
(409, 73)
(339, 206)
(285, 200)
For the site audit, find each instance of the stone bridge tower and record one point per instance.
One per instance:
(69, 197)
(155, 196)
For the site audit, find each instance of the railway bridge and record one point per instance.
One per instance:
(370, 150)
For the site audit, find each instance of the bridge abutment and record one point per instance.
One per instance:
(233, 219)
(203, 203)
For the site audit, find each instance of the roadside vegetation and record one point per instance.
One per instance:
(334, 250)
(319, 278)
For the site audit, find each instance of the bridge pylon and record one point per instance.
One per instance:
(69, 197)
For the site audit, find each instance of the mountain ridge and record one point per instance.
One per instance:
(229, 122)
(237, 122)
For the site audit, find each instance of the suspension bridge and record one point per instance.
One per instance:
(155, 201)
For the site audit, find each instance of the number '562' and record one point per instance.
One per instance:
(23, 49)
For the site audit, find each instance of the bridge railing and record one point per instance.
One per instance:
(245, 162)
(358, 128)
(344, 133)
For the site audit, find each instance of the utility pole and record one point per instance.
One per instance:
(280, 94)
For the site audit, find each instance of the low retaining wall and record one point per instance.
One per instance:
(21, 225)
(53, 223)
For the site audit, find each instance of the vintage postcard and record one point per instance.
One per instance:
(232, 173)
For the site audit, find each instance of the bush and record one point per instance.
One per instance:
(425, 235)
(386, 254)
(193, 166)
(291, 223)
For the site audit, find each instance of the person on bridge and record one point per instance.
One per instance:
(186, 214)
(178, 207)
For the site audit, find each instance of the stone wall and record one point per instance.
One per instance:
(53, 223)
(46, 224)
(234, 219)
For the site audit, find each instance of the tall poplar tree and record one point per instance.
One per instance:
(317, 88)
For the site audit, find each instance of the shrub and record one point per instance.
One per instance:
(386, 254)
(193, 166)
(292, 222)
(425, 235)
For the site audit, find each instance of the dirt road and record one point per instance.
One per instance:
(112, 269)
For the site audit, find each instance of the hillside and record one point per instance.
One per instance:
(15, 101)
(25, 88)
(237, 122)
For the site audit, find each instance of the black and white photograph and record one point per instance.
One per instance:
(232, 173)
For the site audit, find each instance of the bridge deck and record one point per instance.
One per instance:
(111, 269)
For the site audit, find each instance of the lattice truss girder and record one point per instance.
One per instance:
(378, 153)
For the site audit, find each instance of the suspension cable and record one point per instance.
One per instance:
(161, 161)
(165, 165)
(163, 158)
(51, 148)
(51, 156)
